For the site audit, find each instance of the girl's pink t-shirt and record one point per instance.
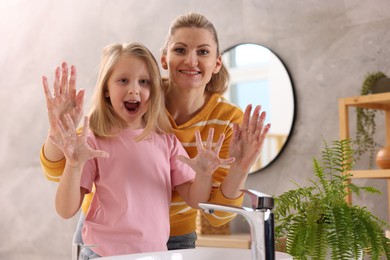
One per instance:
(130, 209)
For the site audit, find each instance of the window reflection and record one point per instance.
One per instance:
(246, 55)
(259, 77)
(243, 93)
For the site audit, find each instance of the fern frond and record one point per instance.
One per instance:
(340, 230)
(295, 244)
(386, 246)
(320, 240)
(292, 201)
(370, 189)
(319, 172)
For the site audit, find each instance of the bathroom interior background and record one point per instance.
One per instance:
(328, 48)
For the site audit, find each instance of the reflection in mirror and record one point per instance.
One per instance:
(257, 76)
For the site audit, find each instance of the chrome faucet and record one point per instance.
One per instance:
(260, 220)
(76, 249)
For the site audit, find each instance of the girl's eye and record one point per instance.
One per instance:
(123, 81)
(144, 82)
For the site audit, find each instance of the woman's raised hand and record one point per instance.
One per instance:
(207, 160)
(64, 99)
(248, 139)
(75, 147)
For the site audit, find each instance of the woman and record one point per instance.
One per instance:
(197, 79)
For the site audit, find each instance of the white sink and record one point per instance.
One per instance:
(200, 253)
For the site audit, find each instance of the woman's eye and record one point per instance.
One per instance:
(203, 52)
(180, 50)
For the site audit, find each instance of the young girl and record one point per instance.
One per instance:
(130, 158)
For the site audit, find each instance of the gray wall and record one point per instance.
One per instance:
(328, 47)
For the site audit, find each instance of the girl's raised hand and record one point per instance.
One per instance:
(75, 147)
(63, 100)
(247, 141)
(207, 160)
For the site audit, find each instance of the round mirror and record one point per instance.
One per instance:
(257, 76)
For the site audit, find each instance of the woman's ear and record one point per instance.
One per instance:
(106, 93)
(164, 63)
(218, 65)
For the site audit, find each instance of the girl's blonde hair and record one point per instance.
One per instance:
(104, 121)
(219, 81)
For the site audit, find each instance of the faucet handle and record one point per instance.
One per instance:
(260, 200)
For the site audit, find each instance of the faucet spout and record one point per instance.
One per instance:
(260, 220)
(255, 219)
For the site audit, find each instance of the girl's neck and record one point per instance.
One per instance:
(135, 126)
(132, 127)
(185, 104)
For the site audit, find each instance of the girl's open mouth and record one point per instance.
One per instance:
(132, 105)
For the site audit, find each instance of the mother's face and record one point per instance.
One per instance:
(191, 58)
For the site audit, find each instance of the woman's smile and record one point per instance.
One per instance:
(190, 72)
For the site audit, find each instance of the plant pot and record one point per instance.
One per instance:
(381, 85)
(383, 158)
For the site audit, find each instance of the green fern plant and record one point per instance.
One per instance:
(316, 220)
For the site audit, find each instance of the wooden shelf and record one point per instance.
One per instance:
(233, 241)
(370, 174)
(377, 102)
(374, 101)
(230, 241)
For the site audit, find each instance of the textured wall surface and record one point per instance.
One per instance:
(327, 46)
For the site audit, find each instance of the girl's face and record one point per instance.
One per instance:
(191, 58)
(129, 90)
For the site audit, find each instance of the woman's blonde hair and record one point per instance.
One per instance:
(219, 81)
(104, 121)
